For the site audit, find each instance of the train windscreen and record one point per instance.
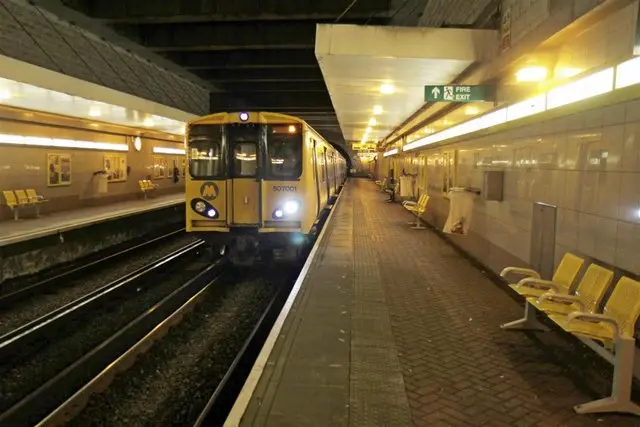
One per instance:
(206, 160)
(243, 140)
(284, 147)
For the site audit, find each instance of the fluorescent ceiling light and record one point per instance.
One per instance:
(377, 109)
(531, 74)
(168, 150)
(387, 89)
(37, 141)
(373, 121)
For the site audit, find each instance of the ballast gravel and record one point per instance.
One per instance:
(41, 362)
(171, 384)
(41, 304)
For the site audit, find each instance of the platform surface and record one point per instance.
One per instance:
(392, 327)
(28, 228)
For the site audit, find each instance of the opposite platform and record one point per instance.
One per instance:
(392, 327)
(32, 228)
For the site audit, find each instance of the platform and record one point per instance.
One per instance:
(393, 327)
(32, 228)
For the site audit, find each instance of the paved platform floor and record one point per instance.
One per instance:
(392, 327)
(30, 228)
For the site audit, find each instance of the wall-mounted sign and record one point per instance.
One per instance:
(458, 93)
(367, 146)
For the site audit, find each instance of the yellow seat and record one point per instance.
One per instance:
(22, 197)
(17, 200)
(615, 328)
(534, 286)
(587, 298)
(34, 197)
(420, 201)
(617, 319)
(10, 199)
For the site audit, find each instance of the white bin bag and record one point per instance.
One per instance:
(460, 212)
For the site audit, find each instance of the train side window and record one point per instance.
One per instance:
(284, 148)
(205, 152)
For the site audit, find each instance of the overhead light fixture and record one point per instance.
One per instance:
(4, 94)
(531, 74)
(387, 88)
(471, 111)
(369, 129)
(377, 109)
(94, 111)
(168, 150)
(244, 116)
(148, 122)
(38, 141)
(137, 143)
(373, 121)
(292, 129)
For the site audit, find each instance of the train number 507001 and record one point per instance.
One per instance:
(290, 188)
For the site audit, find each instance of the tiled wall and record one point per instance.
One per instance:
(586, 164)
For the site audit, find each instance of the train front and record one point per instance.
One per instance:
(244, 190)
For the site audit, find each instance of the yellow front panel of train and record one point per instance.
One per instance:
(245, 201)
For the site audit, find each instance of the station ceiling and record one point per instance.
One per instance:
(257, 54)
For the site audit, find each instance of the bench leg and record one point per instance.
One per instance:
(418, 224)
(528, 323)
(15, 215)
(37, 211)
(620, 399)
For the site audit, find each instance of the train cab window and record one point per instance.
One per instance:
(205, 151)
(244, 149)
(284, 147)
(245, 160)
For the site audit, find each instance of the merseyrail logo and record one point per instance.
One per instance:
(209, 191)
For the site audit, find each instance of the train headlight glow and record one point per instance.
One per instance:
(200, 207)
(278, 213)
(244, 116)
(211, 213)
(291, 207)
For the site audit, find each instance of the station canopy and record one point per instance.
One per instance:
(376, 75)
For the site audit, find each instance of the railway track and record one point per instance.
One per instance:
(65, 347)
(218, 319)
(16, 290)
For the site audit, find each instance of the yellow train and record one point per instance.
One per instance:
(258, 183)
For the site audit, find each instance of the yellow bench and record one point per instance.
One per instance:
(382, 184)
(417, 208)
(19, 199)
(533, 286)
(615, 328)
(147, 186)
(587, 297)
(576, 314)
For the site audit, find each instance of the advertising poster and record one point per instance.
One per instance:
(58, 169)
(116, 167)
(159, 167)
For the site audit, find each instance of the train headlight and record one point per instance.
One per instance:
(278, 213)
(291, 207)
(200, 207)
(211, 213)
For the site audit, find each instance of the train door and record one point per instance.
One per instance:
(326, 172)
(244, 150)
(315, 175)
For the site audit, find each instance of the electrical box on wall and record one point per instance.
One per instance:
(493, 186)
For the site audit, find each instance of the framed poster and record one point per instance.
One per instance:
(159, 167)
(58, 169)
(116, 167)
(170, 166)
